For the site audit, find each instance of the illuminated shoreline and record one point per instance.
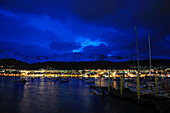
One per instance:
(82, 73)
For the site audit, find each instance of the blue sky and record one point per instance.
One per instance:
(91, 27)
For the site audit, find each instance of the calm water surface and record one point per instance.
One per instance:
(47, 96)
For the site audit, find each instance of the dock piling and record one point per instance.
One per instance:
(100, 81)
(121, 85)
(109, 83)
(156, 85)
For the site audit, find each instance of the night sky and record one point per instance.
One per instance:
(61, 29)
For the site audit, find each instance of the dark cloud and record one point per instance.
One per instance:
(19, 31)
(94, 10)
(23, 49)
(121, 14)
(53, 8)
(64, 47)
(99, 50)
(106, 50)
(91, 26)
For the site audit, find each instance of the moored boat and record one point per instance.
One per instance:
(100, 92)
(32, 78)
(90, 81)
(80, 78)
(64, 80)
(21, 80)
(56, 78)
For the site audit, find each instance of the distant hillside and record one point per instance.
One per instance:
(74, 57)
(12, 63)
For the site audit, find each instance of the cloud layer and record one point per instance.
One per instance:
(91, 27)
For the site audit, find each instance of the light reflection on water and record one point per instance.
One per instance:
(104, 82)
(47, 96)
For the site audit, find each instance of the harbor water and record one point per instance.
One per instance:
(44, 95)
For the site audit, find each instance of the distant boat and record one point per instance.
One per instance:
(127, 79)
(116, 79)
(106, 78)
(56, 78)
(90, 81)
(100, 92)
(21, 80)
(32, 78)
(37, 77)
(85, 78)
(80, 78)
(64, 80)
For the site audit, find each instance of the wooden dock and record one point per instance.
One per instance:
(162, 104)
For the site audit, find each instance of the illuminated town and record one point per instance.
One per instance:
(84, 73)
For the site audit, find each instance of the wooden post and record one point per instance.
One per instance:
(123, 82)
(138, 88)
(100, 80)
(121, 85)
(149, 56)
(109, 83)
(112, 81)
(156, 85)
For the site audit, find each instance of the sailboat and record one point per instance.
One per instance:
(136, 88)
(149, 78)
(148, 87)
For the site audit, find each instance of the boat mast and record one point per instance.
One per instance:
(149, 54)
(138, 89)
